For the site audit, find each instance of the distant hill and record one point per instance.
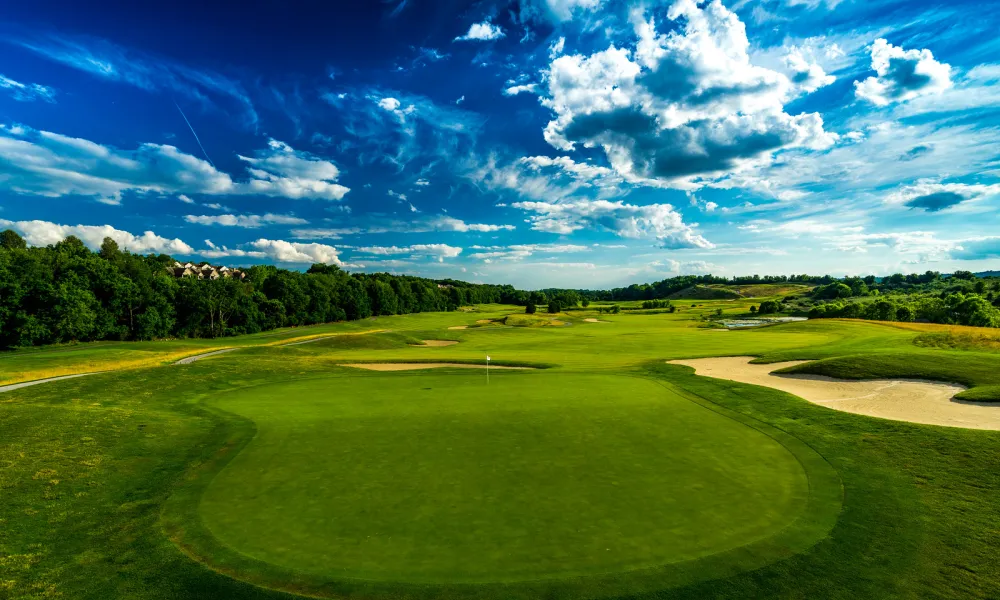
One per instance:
(988, 274)
(718, 291)
(703, 292)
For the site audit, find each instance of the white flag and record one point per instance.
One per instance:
(487, 357)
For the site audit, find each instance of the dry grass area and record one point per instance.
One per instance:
(434, 343)
(319, 336)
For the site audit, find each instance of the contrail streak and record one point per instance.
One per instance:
(194, 134)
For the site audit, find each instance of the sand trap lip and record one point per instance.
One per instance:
(197, 357)
(24, 384)
(910, 400)
(459, 327)
(434, 343)
(415, 366)
(593, 320)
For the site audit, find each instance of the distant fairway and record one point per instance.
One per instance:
(437, 478)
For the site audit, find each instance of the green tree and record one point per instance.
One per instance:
(530, 309)
(10, 240)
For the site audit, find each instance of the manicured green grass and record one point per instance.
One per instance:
(439, 478)
(267, 469)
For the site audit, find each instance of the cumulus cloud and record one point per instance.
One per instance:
(43, 233)
(525, 88)
(245, 221)
(902, 75)
(26, 92)
(279, 251)
(934, 197)
(438, 251)
(482, 32)
(679, 108)
(659, 221)
(806, 74)
(50, 164)
(282, 171)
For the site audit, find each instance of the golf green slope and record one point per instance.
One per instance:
(437, 478)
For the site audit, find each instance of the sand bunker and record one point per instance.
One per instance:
(434, 343)
(898, 399)
(593, 320)
(415, 366)
(459, 327)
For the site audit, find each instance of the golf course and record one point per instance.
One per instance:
(601, 456)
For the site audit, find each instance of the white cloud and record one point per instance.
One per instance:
(27, 92)
(245, 221)
(421, 182)
(482, 32)
(280, 251)
(43, 233)
(902, 75)
(50, 164)
(681, 108)
(659, 221)
(526, 88)
(519, 252)
(806, 74)
(397, 195)
(443, 223)
(438, 251)
(284, 172)
(185, 199)
(324, 234)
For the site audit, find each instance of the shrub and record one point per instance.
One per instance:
(530, 309)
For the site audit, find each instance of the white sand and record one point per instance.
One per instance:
(593, 320)
(459, 327)
(897, 399)
(415, 366)
(434, 343)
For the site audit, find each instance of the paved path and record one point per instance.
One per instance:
(197, 357)
(17, 386)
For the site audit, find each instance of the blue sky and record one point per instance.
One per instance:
(578, 143)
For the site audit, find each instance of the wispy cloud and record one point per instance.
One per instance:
(111, 62)
(27, 92)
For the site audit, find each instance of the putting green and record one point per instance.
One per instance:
(435, 478)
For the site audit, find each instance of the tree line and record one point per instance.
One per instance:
(66, 292)
(959, 299)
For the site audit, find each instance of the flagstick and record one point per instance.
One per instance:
(487, 369)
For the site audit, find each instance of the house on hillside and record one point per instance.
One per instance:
(204, 271)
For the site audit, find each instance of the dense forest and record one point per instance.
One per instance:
(959, 299)
(66, 292)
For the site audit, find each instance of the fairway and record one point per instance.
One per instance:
(437, 478)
